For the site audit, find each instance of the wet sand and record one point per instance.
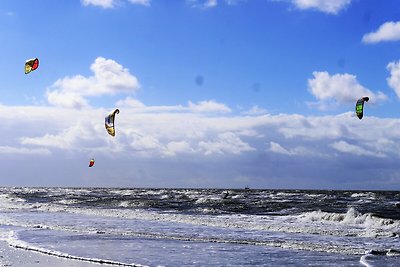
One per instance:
(10, 256)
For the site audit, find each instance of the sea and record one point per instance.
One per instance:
(204, 227)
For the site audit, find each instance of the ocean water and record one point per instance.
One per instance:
(205, 227)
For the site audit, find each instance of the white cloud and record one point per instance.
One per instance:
(210, 3)
(109, 78)
(138, 106)
(394, 79)
(204, 144)
(316, 128)
(389, 31)
(100, 3)
(140, 2)
(341, 88)
(345, 147)
(66, 99)
(255, 110)
(161, 132)
(23, 151)
(277, 148)
(226, 143)
(208, 106)
(176, 132)
(296, 151)
(205, 106)
(177, 147)
(82, 135)
(112, 3)
(130, 102)
(326, 6)
(147, 143)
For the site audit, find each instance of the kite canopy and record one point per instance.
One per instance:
(91, 163)
(109, 122)
(360, 106)
(31, 65)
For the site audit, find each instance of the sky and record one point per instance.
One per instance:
(211, 93)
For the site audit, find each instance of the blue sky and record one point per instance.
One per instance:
(214, 93)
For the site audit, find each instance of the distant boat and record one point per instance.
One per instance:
(247, 188)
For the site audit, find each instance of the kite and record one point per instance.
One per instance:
(91, 163)
(31, 65)
(109, 122)
(360, 106)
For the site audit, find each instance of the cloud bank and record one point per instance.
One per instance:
(200, 145)
(203, 143)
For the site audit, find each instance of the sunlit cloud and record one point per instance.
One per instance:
(205, 106)
(208, 106)
(109, 78)
(100, 3)
(327, 6)
(225, 143)
(172, 133)
(9, 150)
(388, 31)
(233, 145)
(255, 110)
(339, 89)
(394, 79)
(345, 147)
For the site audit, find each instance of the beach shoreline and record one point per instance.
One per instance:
(19, 257)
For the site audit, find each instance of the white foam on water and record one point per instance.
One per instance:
(368, 195)
(202, 200)
(374, 254)
(125, 204)
(364, 260)
(368, 224)
(8, 202)
(68, 201)
(12, 239)
(351, 223)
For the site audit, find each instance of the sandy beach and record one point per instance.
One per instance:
(10, 256)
